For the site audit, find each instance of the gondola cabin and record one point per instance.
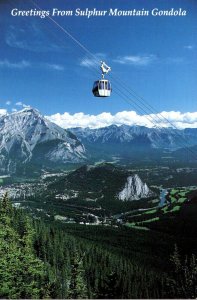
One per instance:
(102, 88)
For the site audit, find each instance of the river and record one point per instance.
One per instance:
(162, 197)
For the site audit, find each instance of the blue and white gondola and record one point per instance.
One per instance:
(102, 87)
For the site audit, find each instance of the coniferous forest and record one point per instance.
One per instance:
(42, 260)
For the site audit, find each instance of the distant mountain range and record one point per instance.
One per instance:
(165, 138)
(30, 141)
(134, 141)
(26, 137)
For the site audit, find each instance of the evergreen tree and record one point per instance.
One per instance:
(110, 288)
(22, 274)
(77, 286)
(184, 280)
(6, 210)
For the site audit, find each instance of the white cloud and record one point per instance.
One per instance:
(14, 65)
(137, 60)
(8, 102)
(26, 64)
(88, 62)
(54, 67)
(31, 38)
(145, 60)
(189, 47)
(92, 61)
(3, 111)
(19, 103)
(178, 119)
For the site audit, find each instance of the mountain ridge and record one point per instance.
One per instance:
(24, 131)
(169, 138)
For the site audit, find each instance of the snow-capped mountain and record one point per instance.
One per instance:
(134, 189)
(156, 138)
(27, 137)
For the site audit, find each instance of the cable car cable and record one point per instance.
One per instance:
(91, 54)
(160, 117)
(165, 130)
(124, 86)
(146, 104)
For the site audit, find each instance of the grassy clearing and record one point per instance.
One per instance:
(181, 200)
(182, 194)
(152, 211)
(131, 225)
(173, 199)
(151, 220)
(173, 192)
(175, 208)
(165, 209)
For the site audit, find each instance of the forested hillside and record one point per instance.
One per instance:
(22, 273)
(41, 260)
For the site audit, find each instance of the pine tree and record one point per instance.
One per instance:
(111, 288)
(21, 272)
(6, 210)
(9, 262)
(77, 286)
(10, 252)
(184, 278)
(33, 268)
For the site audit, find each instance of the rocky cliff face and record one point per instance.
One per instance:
(103, 182)
(134, 189)
(26, 136)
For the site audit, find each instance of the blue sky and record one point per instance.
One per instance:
(42, 67)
